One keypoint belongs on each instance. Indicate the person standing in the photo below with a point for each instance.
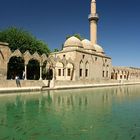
(18, 81)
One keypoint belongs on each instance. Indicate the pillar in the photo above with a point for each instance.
(40, 72)
(25, 69)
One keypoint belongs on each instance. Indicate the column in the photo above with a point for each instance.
(25, 72)
(40, 72)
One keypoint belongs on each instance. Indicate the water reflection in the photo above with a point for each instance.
(104, 113)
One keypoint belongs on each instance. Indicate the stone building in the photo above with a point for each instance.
(79, 62)
(86, 60)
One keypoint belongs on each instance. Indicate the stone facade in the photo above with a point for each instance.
(80, 61)
(125, 73)
(77, 63)
(5, 52)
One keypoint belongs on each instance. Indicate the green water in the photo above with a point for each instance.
(87, 114)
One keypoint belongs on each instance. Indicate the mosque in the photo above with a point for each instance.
(79, 62)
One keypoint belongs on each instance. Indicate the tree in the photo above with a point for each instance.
(56, 50)
(23, 40)
(76, 35)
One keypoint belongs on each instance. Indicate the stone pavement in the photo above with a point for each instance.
(7, 90)
(19, 89)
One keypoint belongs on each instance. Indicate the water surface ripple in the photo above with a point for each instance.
(87, 114)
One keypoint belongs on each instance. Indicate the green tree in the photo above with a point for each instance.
(76, 35)
(23, 40)
(56, 50)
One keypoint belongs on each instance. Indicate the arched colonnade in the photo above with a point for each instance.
(59, 67)
(125, 73)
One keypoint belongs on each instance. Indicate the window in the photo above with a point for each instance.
(86, 73)
(68, 72)
(103, 73)
(105, 60)
(83, 56)
(106, 73)
(80, 74)
(64, 55)
(120, 76)
(59, 72)
(63, 72)
(96, 58)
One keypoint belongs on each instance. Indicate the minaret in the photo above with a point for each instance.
(93, 19)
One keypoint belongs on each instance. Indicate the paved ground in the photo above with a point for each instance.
(32, 89)
(19, 89)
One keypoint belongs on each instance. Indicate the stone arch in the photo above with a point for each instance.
(27, 56)
(44, 58)
(71, 61)
(1, 55)
(113, 74)
(60, 73)
(47, 70)
(69, 71)
(15, 67)
(33, 69)
(16, 53)
(36, 56)
(52, 61)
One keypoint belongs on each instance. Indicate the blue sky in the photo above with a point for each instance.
(52, 20)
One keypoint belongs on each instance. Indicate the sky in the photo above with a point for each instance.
(52, 20)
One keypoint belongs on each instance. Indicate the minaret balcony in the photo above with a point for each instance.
(93, 17)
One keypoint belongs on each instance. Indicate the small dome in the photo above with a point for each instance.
(87, 45)
(73, 42)
(98, 48)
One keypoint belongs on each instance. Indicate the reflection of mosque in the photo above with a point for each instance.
(62, 106)
(42, 112)
(83, 98)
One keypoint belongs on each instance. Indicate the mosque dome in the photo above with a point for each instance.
(73, 42)
(87, 45)
(98, 48)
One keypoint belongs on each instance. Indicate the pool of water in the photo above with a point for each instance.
(87, 114)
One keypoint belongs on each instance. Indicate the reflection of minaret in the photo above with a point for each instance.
(93, 19)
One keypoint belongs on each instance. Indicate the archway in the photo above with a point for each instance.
(15, 67)
(47, 71)
(49, 74)
(33, 70)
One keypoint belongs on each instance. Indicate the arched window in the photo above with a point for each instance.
(87, 69)
(81, 69)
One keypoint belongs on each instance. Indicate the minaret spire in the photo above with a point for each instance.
(93, 19)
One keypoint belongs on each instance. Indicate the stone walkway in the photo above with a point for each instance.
(19, 89)
(33, 89)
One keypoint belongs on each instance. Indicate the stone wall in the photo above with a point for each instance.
(24, 83)
(5, 53)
